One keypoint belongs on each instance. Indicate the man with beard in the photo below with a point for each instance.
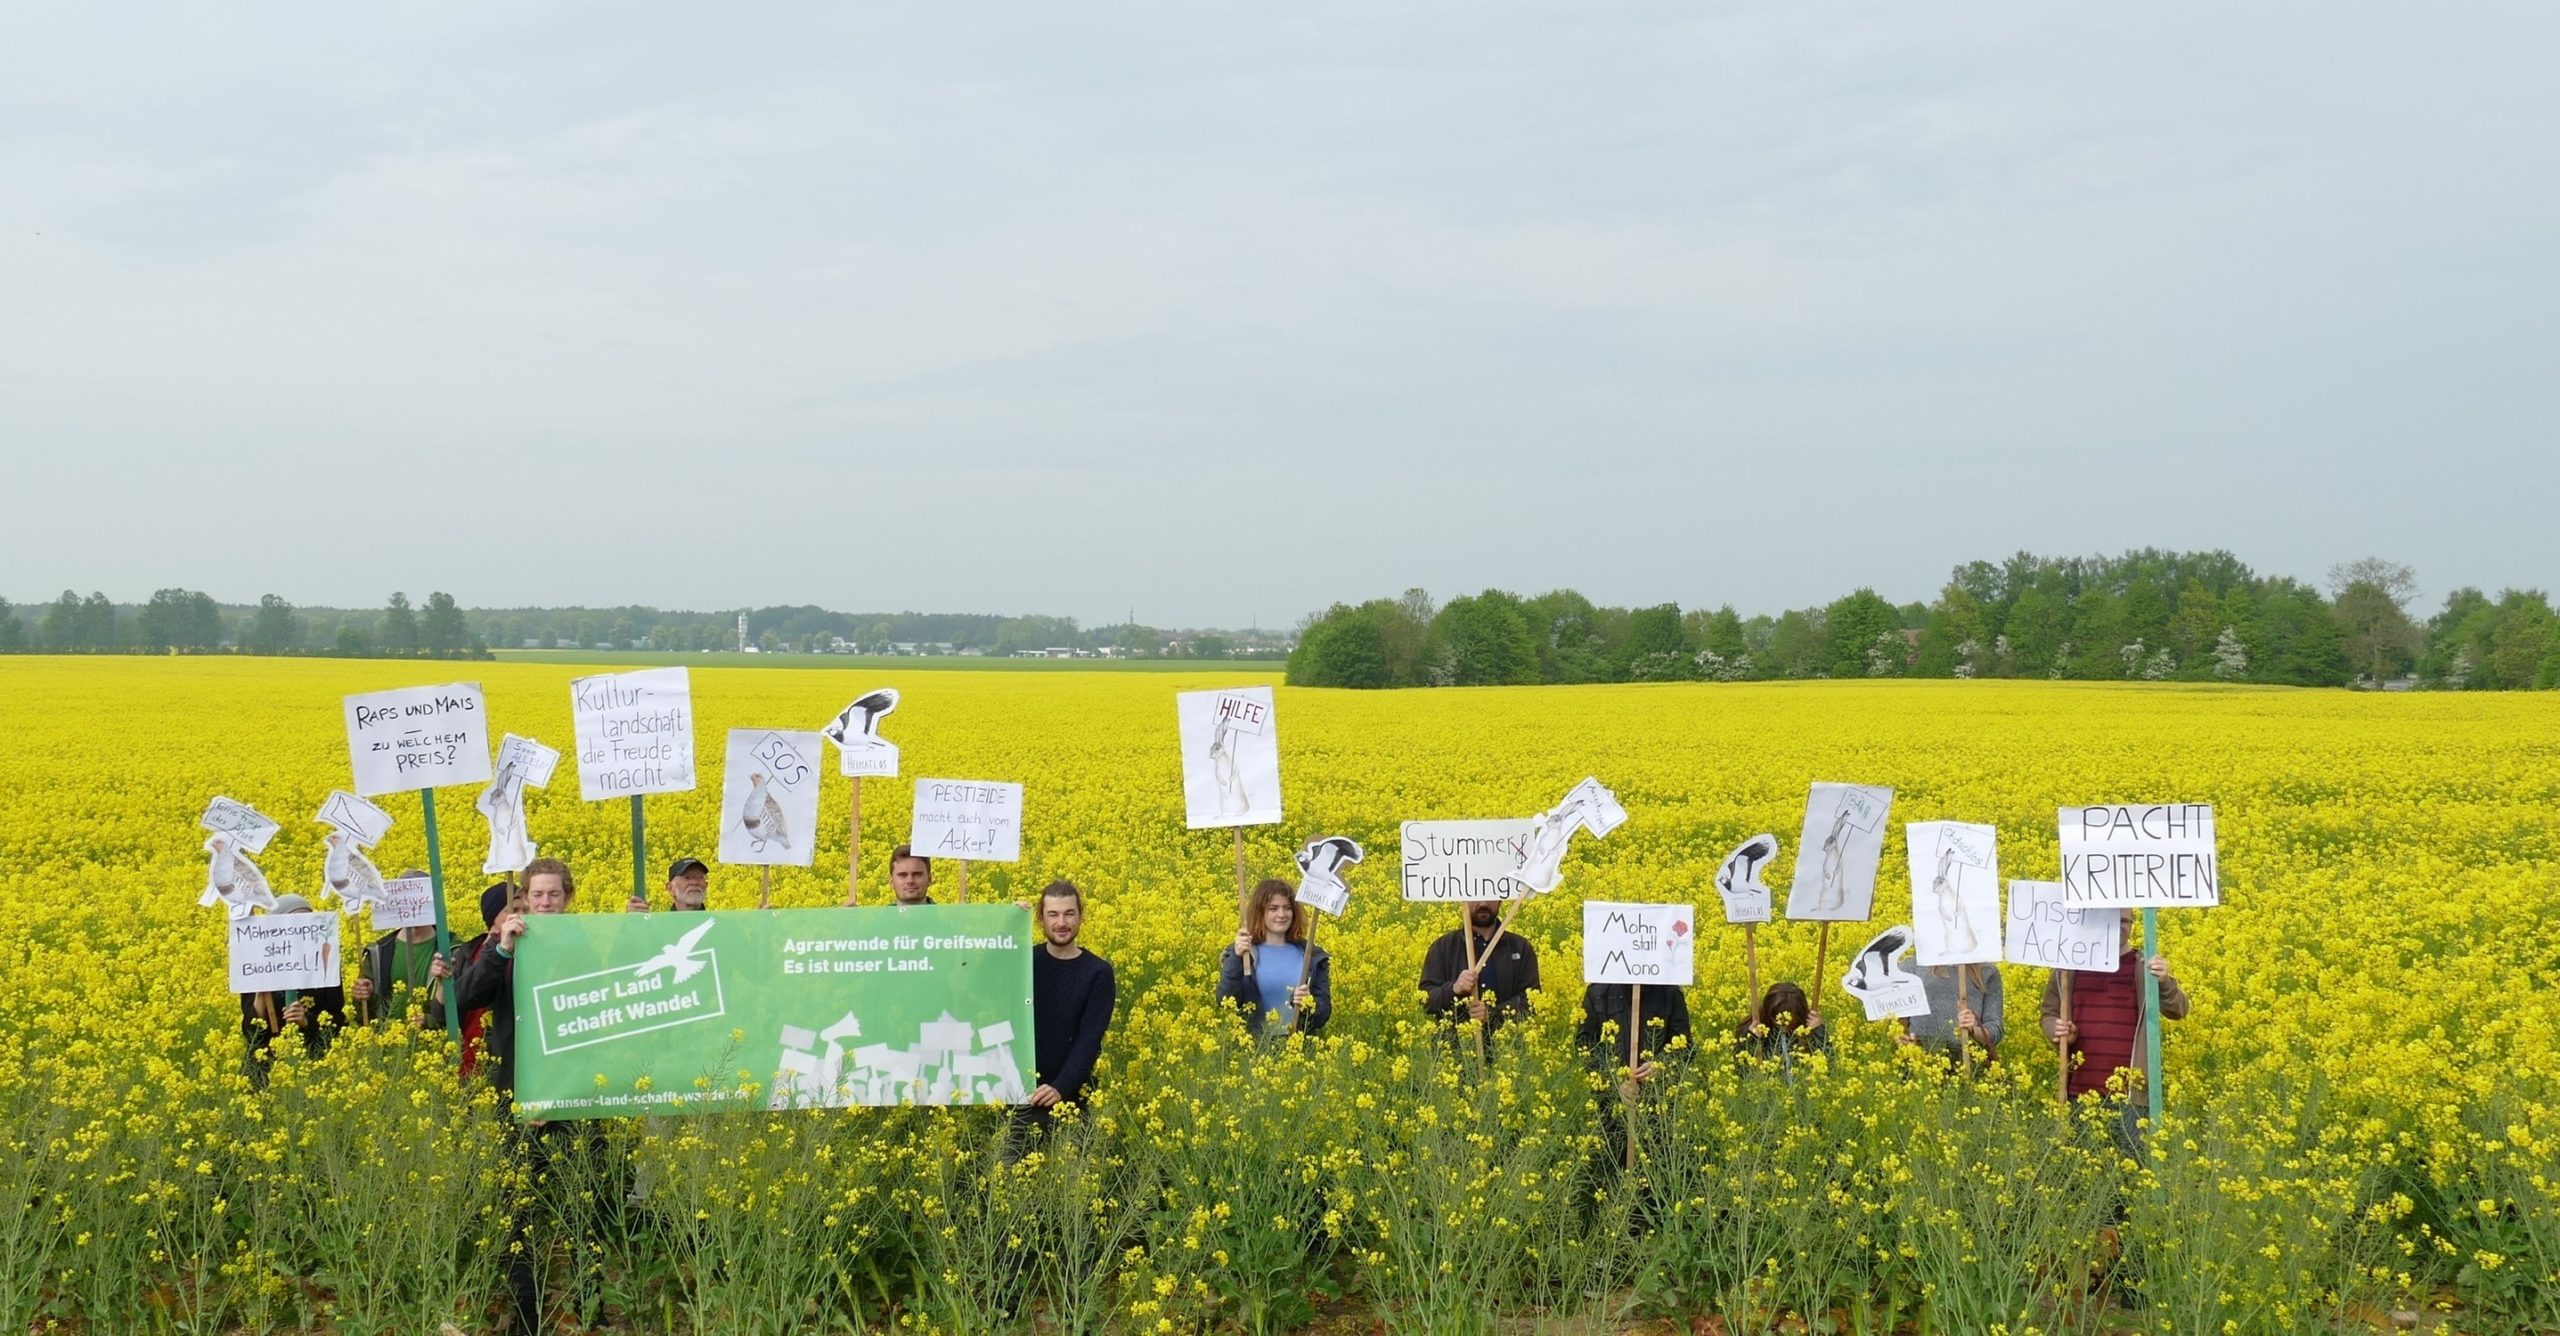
(1072, 997)
(1495, 988)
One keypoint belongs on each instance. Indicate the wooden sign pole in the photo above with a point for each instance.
(1821, 967)
(1635, 1054)
(960, 881)
(853, 849)
(1751, 963)
(764, 890)
(1964, 999)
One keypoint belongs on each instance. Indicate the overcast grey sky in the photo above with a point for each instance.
(1224, 312)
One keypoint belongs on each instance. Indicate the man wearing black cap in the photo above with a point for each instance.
(688, 886)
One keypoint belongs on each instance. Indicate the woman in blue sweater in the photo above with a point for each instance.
(1259, 972)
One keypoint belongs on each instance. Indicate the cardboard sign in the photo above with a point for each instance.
(359, 820)
(1586, 806)
(634, 733)
(2046, 932)
(271, 953)
(1879, 980)
(248, 828)
(1320, 875)
(769, 797)
(1955, 891)
(1230, 757)
(530, 760)
(1746, 900)
(2139, 856)
(1837, 854)
(968, 819)
(1649, 944)
(406, 902)
(1448, 862)
(418, 738)
(861, 753)
(522, 763)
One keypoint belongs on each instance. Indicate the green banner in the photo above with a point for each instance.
(739, 1009)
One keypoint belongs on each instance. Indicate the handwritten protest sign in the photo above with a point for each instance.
(406, 902)
(1628, 943)
(1446, 862)
(1955, 891)
(273, 953)
(1837, 854)
(969, 819)
(2139, 856)
(1230, 757)
(633, 733)
(418, 738)
(248, 828)
(769, 797)
(2046, 932)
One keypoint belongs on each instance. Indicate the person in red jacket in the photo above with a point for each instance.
(2105, 1034)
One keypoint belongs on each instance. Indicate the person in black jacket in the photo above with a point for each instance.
(1491, 993)
(1609, 1011)
(1072, 997)
(318, 1013)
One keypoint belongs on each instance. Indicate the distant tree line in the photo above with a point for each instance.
(2143, 616)
(188, 621)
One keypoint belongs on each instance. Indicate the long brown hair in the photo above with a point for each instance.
(1260, 901)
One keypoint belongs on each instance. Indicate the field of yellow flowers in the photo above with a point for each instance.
(2364, 1109)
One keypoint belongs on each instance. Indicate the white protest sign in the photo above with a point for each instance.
(522, 763)
(1449, 862)
(1837, 854)
(634, 733)
(769, 797)
(1877, 978)
(1230, 757)
(2044, 931)
(861, 753)
(407, 902)
(1625, 943)
(418, 738)
(967, 819)
(248, 828)
(1955, 891)
(2139, 856)
(1586, 806)
(1320, 877)
(1746, 900)
(359, 820)
(530, 760)
(271, 953)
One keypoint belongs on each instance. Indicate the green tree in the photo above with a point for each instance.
(1571, 645)
(98, 621)
(273, 629)
(179, 619)
(1855, 627)
(2039, 630)
(351, 641)
(441, 631)
(398, 633)
(62, 625)
(13, 633)
(1956, 641)
(1656, 648)
(1484, 641)
(1795, 644)
(1342, 648)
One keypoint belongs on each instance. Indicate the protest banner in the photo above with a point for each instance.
(633, 733)
(1452, 862)
(1230, 757)
(1320, 874)
(1639, 944)
(861, 753)
(2046, 932)
(769, 801)
(417, 738)
(231, 880)
(623, 1013)
(248, 828)
(966, 820)
(406, 902)
(522, 764)
(2139, 856)
(1878, 979)
(1955, 892)
(284, 953)
(358, 819)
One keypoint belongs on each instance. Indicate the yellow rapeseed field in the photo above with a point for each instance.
(2364, 1108)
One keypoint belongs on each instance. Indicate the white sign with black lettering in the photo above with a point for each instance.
(769, 797)
(273, 953)
(1649, 944)
(249, 828)
(1450, 862)
(418, 738)
(407, 902)
(2044, 931)
(633, 732)
(968, 819)
(2139, 856)
(1230, 757)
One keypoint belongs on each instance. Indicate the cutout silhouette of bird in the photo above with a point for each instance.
(677, 955)
(761, 817)
(233, 880)
(348, 874)
(859, 724)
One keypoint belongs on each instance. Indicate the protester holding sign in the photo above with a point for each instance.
(488, 980)
(910, 876)
(1259, 972)
(1468, 973)
(1072, 997)
(1964, 1009)
(688, 887)
(318, 1013)
(399, 969)
(1786, 1024)
(1609, 1013)
(2105, 1033)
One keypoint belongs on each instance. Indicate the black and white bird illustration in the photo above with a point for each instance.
(760, 816)
(1320, 866)
(859, 724)
(1874, 966)
(348, 874)
(677, 955)
(1740, 874)
(231, 879)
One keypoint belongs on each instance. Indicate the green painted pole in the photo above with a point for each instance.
(639, 852)
(2151, 1012)
(444, 931)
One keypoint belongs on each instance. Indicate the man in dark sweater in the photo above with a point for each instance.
(1072, 997)
(1490, 992)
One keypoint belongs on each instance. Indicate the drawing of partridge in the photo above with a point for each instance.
(233, 880)
(348, 874)
(761, 817)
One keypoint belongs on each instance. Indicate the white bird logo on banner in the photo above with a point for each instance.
(1587, 806)
(678, 956)
(348, 874)
(233, 880)
(761, 817)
